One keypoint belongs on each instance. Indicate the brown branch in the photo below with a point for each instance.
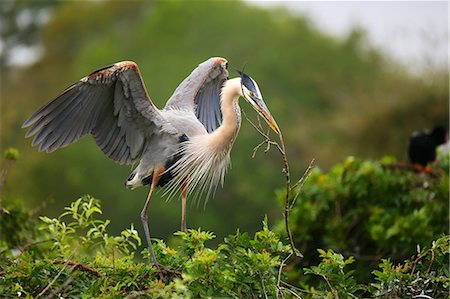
(333, 290)
(282, 149)
(62, 287)
(28, 246)
(301, 182)
(65, 264)
(420, 257)
(79, 266)
(4, 173)
(283, 263)
(431, 261)
(138, 294)
(52, 282)
(287, 207)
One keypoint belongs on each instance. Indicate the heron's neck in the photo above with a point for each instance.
(225, 135)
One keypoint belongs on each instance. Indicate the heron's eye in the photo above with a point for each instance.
(226, 65)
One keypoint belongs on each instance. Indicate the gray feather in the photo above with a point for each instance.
(111, 104)
(200, 93)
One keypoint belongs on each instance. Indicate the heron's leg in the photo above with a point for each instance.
(144, 214)
(183, 204)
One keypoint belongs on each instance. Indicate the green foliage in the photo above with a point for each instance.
(331, 269)
(308, 78)
(11, 154)
(85, 230)
(369, 210)
(425, 274)
(17, 225)
(73, 256)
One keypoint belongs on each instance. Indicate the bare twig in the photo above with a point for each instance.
(333, 290)
(282, 149)
(52, 282)
(263, 285)
(4, 173)
(59, 273)
(420, 257)
(138, 294)
(301, 182)
(28, 246)
(62, 287)
(79, 266)
(283, 263)
(287, 208)
(290, 289)
(431, 261)
(65, 264)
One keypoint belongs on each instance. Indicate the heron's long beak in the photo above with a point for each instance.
(259, 105)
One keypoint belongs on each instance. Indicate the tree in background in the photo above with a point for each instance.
(331, 97)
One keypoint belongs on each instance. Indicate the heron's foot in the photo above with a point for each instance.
(184, 228)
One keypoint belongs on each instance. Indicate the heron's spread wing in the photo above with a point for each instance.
(111, 104)
(200, 92)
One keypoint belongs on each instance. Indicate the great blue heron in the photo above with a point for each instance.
(187, 143)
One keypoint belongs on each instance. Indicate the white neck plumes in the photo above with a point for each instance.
(206, 157)
(223, 138)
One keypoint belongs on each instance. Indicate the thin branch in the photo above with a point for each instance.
(420, 257)
(301, 182)
(62, 287)
(28, 246)
(4, 173)
(282, 149)
(333, 290)
(255, 150)
(287, 173)
(263, 285)
(138, 294)
(431, 261)
(283, 263)
(59, 273)
(67, 263)
(292, 292)
(52, 282)
(79, 266)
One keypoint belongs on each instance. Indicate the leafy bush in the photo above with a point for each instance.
(369, 210)
(74, 256)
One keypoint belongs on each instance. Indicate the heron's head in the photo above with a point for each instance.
(251, 93)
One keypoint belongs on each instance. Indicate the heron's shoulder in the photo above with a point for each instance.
(184, 120)
(109, 73)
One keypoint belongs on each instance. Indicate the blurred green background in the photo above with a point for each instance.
(332, 97)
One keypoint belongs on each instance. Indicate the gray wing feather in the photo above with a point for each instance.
(111, 104)
(200, 92)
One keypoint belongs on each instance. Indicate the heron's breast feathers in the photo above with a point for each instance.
(202, 163)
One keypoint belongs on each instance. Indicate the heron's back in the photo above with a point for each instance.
(184, 121)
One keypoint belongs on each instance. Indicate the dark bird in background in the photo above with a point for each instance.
(422, 147)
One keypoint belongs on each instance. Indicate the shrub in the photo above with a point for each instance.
(362, 208)
(370, 210)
